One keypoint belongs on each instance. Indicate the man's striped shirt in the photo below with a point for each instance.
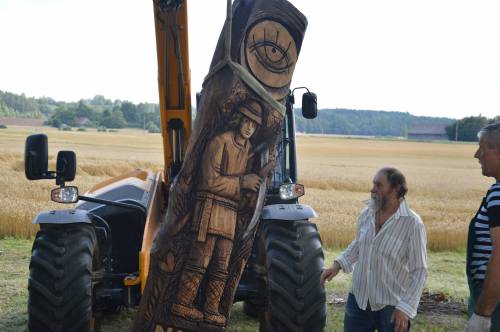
(390, 267)
(488, 216)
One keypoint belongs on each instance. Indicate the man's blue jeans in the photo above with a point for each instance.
(359, 320)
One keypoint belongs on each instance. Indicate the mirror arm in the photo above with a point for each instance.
(50, 175)
(300, 87)
(59, 180)
(119, 204)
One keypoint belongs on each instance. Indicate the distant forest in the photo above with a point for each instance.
(95, 112)
(102, 112)
(342, 121)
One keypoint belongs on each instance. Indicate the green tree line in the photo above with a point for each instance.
(107, 114)
(19, 106)
(466, 129)
(102, 112)
(95, 112)
(342, 121)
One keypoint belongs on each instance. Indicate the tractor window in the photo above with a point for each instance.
(281, 172)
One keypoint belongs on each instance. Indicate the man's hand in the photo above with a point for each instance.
(478, 323)
(251, 182)
(329, 273)
(400, 320)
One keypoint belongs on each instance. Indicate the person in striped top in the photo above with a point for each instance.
(389, 259)
(483, 245)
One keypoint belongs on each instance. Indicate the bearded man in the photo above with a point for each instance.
(390, 252)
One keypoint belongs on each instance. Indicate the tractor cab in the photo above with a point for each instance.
(283, 187)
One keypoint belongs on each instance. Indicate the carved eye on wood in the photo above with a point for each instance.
(270, 54)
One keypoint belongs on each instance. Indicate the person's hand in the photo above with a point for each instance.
(400, 320)
(251, 182)
(478, 323)
(329, 273)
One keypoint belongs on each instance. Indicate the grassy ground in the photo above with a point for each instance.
(446, 276)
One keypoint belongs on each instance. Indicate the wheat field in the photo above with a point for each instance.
(445, 182)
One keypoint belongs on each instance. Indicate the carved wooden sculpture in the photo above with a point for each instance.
(215, 201)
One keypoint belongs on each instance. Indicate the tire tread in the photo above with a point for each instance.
(294, 261)
(60, 281)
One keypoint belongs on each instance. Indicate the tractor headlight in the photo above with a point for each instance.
(291, 191)
(65, 194)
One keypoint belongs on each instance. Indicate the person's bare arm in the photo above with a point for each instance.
(490, 295)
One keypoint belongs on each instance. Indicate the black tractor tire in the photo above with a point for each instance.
(60, 279)
(250, 309)
(294, 260)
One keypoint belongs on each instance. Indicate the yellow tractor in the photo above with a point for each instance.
(91, 259)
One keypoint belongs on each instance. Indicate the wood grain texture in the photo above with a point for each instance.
(200, 251)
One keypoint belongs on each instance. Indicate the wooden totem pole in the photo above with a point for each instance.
(215, 201)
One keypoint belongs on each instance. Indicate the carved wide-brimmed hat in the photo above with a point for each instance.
(252, 110)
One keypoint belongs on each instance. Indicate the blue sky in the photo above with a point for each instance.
(426, 57)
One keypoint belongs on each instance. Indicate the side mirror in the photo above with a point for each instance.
(66, 167)
(309, 105)
(64, 195)
(36, 160)
(36, 157)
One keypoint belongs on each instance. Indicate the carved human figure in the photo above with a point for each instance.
(205, 239)
(221, 183)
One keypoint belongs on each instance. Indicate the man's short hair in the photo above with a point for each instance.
(491, 134)
(396, 179)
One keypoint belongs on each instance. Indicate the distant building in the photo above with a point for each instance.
(21, 122)
(428, 132)
(81, 122)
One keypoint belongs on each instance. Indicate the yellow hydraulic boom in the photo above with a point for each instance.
(171, 26)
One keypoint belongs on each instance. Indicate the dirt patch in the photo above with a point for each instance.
(441, 304)
(434, 304)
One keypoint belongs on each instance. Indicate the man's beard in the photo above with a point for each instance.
(379, 203)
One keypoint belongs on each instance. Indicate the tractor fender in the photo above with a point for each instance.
(288, 212)
(71, 216)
